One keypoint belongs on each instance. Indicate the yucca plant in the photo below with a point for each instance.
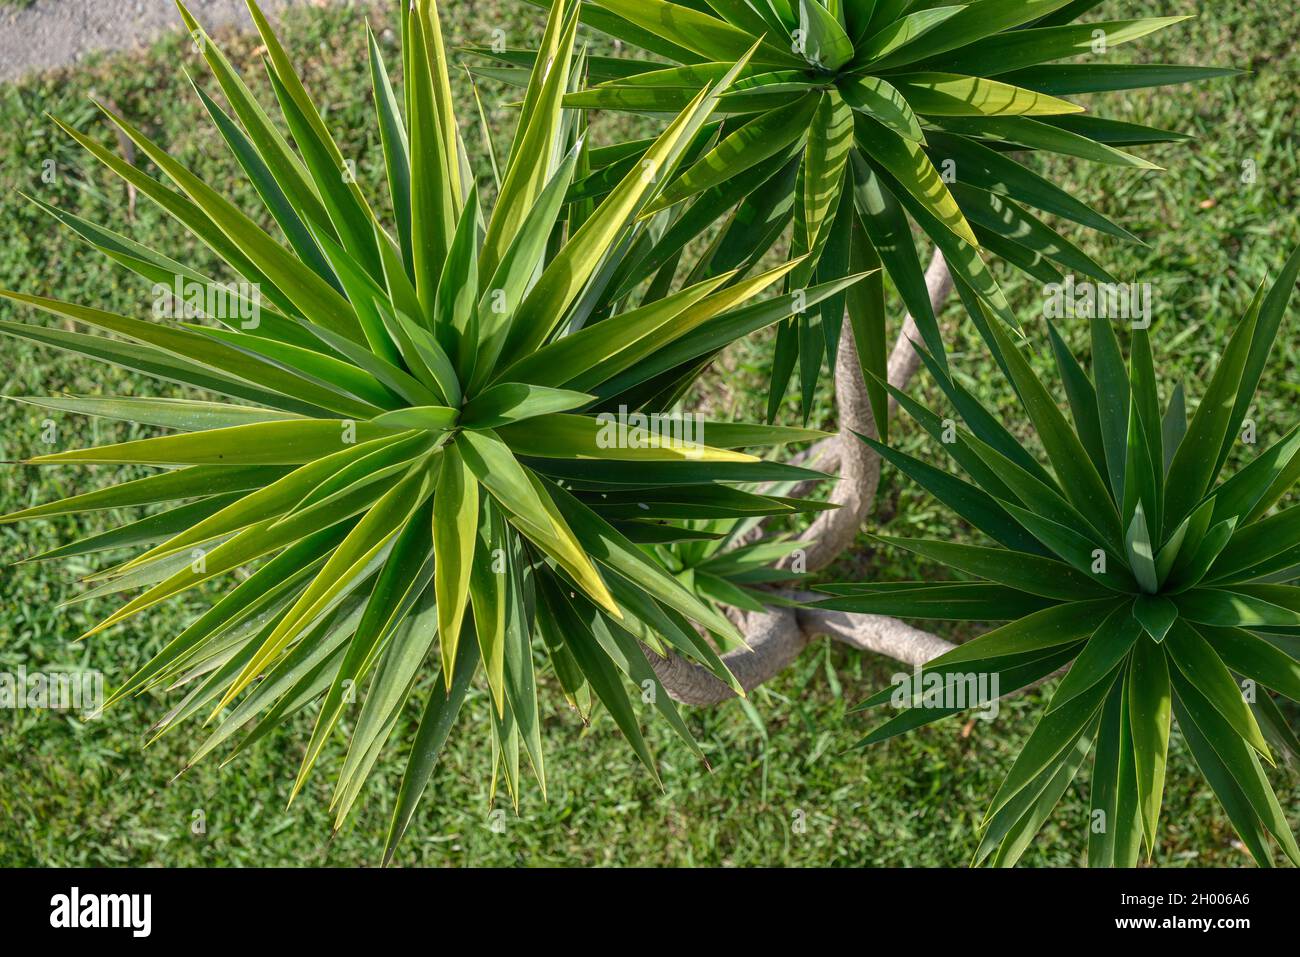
(729, 560)
(913, 110)
(419, 450)
(1166, 592)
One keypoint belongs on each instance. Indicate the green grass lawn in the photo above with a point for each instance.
(78, 793)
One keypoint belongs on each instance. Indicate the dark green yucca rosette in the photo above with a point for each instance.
(1166, 590)
(857, 120)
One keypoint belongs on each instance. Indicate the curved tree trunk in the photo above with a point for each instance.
(777, 636)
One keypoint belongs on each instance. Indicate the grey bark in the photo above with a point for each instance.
(777, 636)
